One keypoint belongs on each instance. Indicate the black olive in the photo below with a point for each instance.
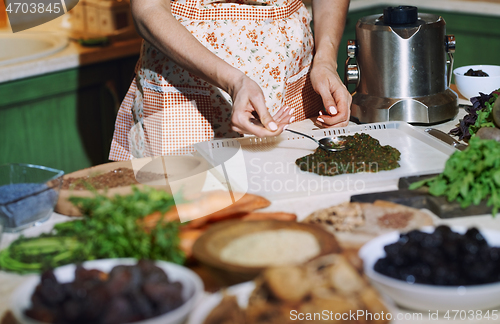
(429, 259)
(432, 241)
(476, 236)
(471, 247)
(479, 73)
(442, 230)
(403, 239)
(494, 254)
(392, 249)
(441, 258)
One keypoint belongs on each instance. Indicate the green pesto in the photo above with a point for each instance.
(363, 154)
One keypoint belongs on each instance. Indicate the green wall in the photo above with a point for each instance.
(63, 120)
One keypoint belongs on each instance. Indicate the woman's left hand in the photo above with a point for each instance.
(336, 98)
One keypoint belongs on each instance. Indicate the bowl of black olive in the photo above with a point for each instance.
(474, 79)
(110, 291)
(436, 268)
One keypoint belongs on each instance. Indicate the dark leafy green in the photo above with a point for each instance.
(109, 229)
(479, 115)
(27, 255)
(469, 176)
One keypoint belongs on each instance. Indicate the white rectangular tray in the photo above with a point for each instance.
(266, 166)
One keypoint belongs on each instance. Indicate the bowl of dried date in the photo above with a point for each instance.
(109, 291)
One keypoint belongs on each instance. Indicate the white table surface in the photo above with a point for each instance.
(301, 207)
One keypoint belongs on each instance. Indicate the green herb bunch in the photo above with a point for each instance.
(470, 176)
(479, 115)
(484, 116)
(35, 254)
(110, 228)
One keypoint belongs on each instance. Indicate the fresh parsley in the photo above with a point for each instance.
(469, 176)
(110, 228)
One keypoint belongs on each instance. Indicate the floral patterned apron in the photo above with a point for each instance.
(167, 109)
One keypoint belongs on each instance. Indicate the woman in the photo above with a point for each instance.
(211, 68)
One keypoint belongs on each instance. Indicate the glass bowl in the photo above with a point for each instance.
(28, 194)
(1, 228)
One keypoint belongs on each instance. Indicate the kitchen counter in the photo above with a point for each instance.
(75, 91)
(72, 56)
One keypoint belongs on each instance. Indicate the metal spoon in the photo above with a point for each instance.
(327, 143)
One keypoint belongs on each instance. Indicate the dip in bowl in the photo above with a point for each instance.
(237, 251)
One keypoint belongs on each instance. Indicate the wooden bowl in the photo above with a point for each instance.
(208, 247)
(173, 173)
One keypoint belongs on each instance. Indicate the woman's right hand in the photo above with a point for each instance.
(248, 99)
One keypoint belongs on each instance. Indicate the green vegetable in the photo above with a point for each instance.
(109, 229)
(97, 41)
(484, 116)
(35, 254)
(469, 176)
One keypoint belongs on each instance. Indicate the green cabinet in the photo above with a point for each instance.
(64, 119)
(477, 36)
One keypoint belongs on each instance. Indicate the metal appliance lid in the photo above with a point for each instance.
(377, 20)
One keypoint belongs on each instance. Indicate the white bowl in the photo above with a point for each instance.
(470, 86)
(428, 297)
(192, 289)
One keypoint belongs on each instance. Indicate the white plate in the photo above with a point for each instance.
(242, 292)
(429, 297)
(266, 166)
(191, 292)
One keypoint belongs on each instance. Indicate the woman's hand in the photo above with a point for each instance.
(336, 98)
(329, 20)
(156, 24)
(248, 100)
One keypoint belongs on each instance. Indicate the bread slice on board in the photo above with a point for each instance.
(354, 224)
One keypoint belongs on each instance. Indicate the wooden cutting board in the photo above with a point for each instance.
(354, 223)
(170, 169)
(420, 198)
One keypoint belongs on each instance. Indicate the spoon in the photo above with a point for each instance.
(327, 143)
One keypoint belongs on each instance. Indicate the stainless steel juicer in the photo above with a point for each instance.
(401, 63)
